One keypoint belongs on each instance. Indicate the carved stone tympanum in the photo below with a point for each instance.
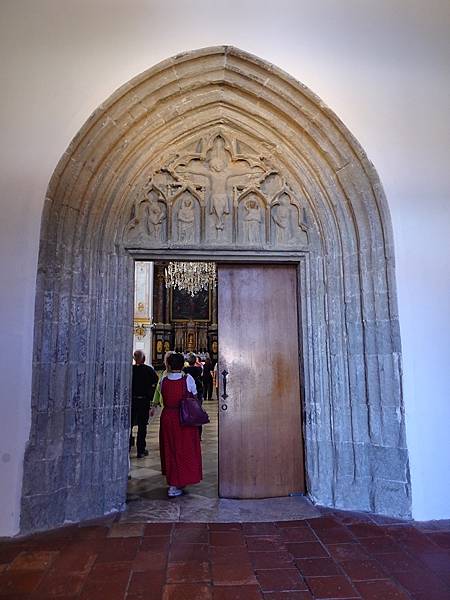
(222, 192)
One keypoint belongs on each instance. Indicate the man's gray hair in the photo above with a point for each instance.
(191, 358)
(139, 356)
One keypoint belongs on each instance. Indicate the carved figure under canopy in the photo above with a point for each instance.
(281, 216)
(137, 229)
(252, 221)
(156, 216)
(186, 220)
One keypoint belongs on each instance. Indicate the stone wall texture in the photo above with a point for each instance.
(76, 461)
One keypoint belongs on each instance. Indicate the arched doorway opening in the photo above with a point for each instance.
(218, 153)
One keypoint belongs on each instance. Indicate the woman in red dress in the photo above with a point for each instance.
(179, 446)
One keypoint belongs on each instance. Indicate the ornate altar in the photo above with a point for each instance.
(183, 323)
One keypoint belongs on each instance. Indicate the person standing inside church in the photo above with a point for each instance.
(179, 445)
(157, 398)
(207, 379)
(142, 389)
(215, 374)
(195, 371)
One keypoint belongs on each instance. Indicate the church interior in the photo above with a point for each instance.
(259, 192)
(168, 319)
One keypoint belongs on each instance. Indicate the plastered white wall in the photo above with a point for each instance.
(381, 66)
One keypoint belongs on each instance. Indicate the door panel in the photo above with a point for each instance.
(260, 441)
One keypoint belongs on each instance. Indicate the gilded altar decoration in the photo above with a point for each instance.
(218, 191)
(140, 330)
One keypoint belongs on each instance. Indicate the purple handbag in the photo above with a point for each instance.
(191, 411)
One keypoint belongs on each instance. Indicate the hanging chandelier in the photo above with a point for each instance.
(190, 276)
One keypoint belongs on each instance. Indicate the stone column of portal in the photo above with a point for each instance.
(149, 342)
(168, 329)
(159, 293)
(159, 315)
(214, 305)
(212, 329)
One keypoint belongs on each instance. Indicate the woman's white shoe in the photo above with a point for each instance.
(173, 492)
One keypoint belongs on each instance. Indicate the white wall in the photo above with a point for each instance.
(379, 65)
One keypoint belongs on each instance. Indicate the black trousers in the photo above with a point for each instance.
(140, 408)
(207, 389)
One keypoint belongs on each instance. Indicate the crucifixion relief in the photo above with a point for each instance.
(221, 174)
(218, 195)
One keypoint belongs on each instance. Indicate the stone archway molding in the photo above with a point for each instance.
(142, 176)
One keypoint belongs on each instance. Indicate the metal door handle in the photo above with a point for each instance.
(224, 383)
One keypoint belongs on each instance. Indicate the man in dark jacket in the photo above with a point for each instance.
(196, 373)
(142, 390)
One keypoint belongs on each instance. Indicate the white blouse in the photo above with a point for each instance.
(190, 382)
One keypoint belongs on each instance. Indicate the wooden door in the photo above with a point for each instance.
(260, 439)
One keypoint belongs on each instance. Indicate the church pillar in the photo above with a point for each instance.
(159, 293)
(214, 305)
(213, 336)
(163, 329)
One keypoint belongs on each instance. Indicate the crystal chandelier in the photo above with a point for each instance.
(190, 276)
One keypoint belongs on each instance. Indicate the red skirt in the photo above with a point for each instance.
(179, 446)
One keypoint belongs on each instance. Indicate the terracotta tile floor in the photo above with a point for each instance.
(336, 555)
(161, 549)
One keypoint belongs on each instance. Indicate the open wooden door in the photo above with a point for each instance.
(260, 432)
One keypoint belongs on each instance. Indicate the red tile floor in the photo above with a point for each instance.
(337, 555)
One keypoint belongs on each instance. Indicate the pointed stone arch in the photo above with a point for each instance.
(76, 459)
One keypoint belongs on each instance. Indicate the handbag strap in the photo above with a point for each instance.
(187, 392)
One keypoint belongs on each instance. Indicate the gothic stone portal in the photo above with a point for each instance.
(214, 153)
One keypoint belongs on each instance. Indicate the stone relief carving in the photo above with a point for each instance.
(136, 230)
(272, 184)
(186, 219)
(218, 191)
(157, 217)
(149, 222)
(287, 225)
(282, 218)
(218, 172)
(251, 220)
